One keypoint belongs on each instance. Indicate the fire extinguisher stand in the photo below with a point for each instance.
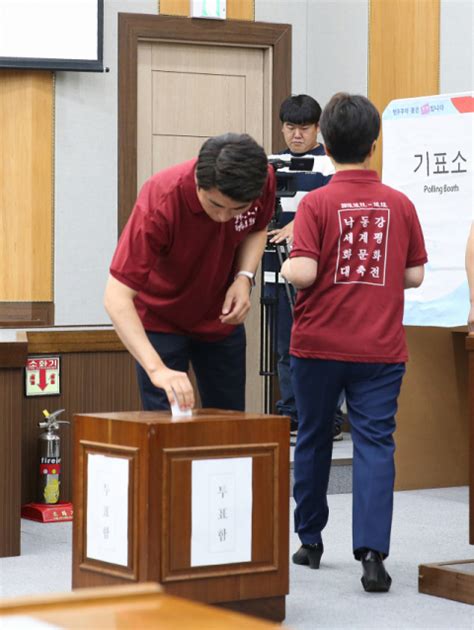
(49, 508)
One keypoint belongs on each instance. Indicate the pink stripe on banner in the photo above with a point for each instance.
(464, 104)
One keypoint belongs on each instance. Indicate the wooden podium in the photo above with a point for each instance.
(455, 579)
(199, 504)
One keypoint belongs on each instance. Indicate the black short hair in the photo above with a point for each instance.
(349, 124)
(300, 109)
(234, 164)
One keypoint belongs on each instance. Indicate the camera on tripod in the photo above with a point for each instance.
(293, 174)
(288, 171)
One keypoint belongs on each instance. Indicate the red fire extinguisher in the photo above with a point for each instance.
(50, 458)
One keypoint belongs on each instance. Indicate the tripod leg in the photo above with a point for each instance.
(283, 253)
(268, 328)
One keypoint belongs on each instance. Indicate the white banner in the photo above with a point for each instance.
(427, 154)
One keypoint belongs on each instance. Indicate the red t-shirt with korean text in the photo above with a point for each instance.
(179, 260)
(363, 235)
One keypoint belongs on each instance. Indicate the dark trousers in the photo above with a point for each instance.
(219, 367)
(372, 391)
(286, 405)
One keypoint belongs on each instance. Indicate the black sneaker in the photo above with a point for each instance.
(337, 435)
(293, 425)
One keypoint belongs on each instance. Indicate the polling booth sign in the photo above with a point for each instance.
(428, 154)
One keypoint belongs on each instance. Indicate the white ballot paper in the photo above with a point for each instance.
(221, 511)
(107, 508)
(176, 410)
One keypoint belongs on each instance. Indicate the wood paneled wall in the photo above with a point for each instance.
(470, 351)
(236, 9)
(11, 393)
(432, 434)
(90, 382)
(403, 52)
(13, 353)
(26, 186)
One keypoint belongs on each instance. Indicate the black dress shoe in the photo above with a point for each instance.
(375, 578)
(309, 555)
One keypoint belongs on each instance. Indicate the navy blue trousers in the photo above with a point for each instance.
(372, 391)
(219, 367)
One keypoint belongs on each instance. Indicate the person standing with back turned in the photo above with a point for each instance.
(357, 245)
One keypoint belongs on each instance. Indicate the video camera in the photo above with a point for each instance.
(287, 184)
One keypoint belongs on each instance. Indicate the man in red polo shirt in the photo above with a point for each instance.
(181, 275)
(357, 245)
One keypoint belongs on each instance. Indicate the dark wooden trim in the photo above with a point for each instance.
(131, 454)
(11, 395)
(22, 314)
(452, 580)
(470, 342)
(13, 353)
(67, 341)
(470, 352)
(134, 27)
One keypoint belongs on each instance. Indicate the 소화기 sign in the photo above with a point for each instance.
(42, 376)
(428, 155)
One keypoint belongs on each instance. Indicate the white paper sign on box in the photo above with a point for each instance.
(221, 511)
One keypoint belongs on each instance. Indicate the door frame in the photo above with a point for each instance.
(133, 28)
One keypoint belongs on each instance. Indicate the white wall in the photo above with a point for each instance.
(330, 43)
(456, 46)
(86, 179)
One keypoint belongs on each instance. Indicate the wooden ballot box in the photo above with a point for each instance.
(199, 504)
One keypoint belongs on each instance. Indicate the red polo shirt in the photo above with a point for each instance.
(363, 235)
(179, 260)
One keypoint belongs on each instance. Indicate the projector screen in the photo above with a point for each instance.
(52, 34)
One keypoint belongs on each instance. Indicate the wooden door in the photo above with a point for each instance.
(182, 81)
(187, 93)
